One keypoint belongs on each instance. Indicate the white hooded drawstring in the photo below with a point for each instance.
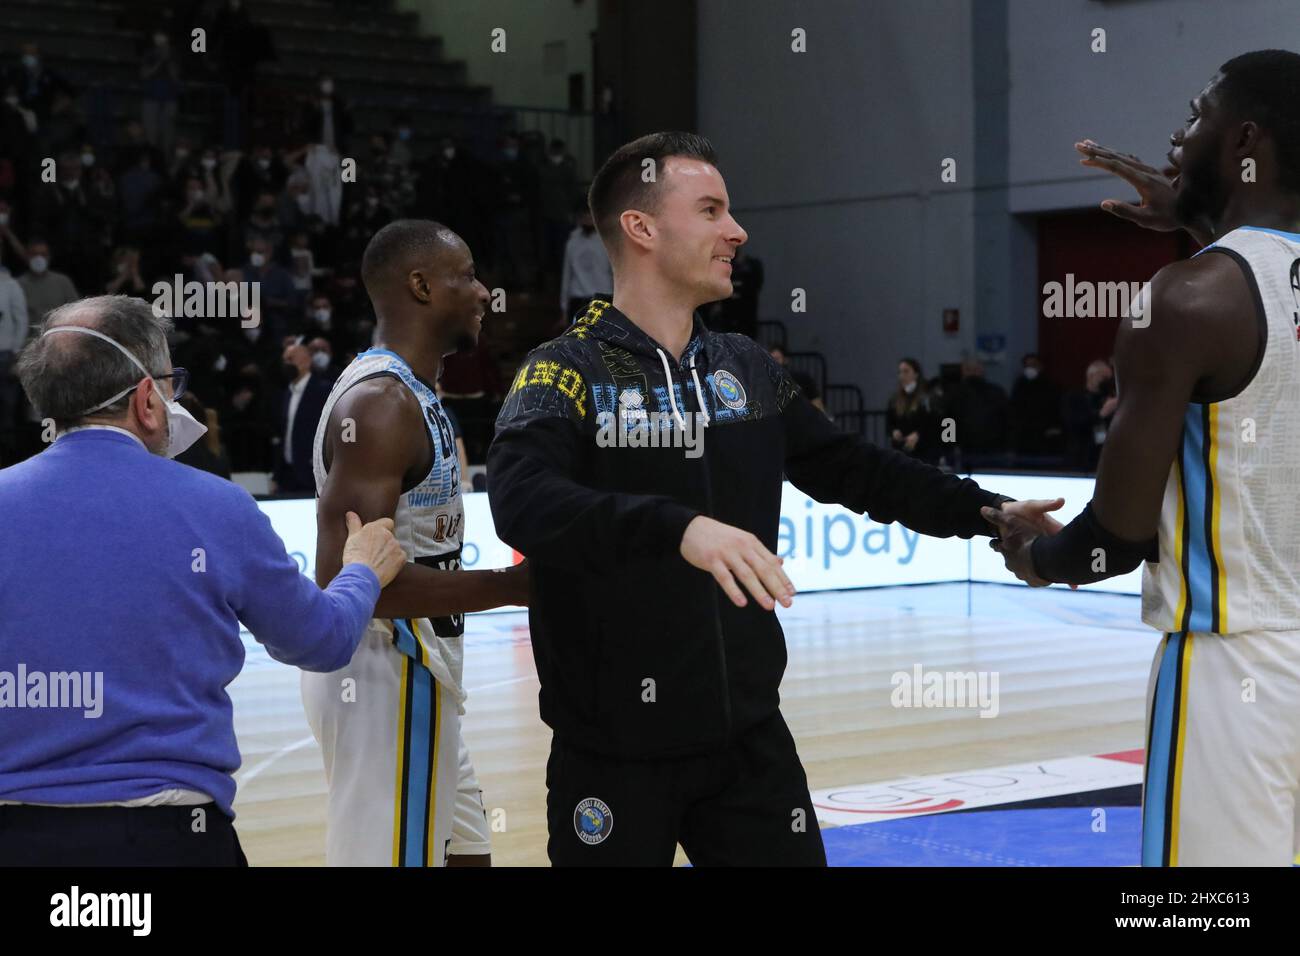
(699, 393)
(672, 402)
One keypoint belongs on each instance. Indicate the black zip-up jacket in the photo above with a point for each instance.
(639, 653)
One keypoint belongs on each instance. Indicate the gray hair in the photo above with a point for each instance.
(64, 375)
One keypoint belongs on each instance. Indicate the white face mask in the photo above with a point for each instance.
(4, 218)
(182, 428)
(88, 159)
(38, 264)
(909, 388)
(1031, 373)
(449, 152)
(323, 317)
(320, 361)
(208, 162)
(257, 260)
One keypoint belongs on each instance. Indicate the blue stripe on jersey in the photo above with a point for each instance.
(1293, 236)
(406, 643)
(1200, 580)
(1156, 785)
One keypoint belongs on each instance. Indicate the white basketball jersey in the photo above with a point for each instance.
(1230, 522)
(429, 520)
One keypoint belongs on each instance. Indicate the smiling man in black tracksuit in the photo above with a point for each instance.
(638, 463)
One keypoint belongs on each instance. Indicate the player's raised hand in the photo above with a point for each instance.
(374, 546)
(732, 555)
(1156, 192)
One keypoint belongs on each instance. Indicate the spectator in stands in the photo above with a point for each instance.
(300, 408)
(557, 188)
(909, 418)
(200, 220)
(802, 379)
(322, 358)
(466, 485)
(160, 80)
(133, 144)
(980, 410)
(1035, 410)
(181, 164)
(36, 86)
(585, 273)
(739, 313)
(451, 190)
(64, 128)
(19, 120)
(302, 264)
(264, 222)
(253, 350)
(141, 190)
(44, 288)
(326, 119)
(472, 387)
(258, 173)
(13, 336)
(216, 182)
(73, 221)
(247, 420)
(390, 180)
(320, 323)
(280, 300)
(1086, 417)
(362, 218)
(10, 246)
(126, 278)
(17, 144)
(514, 211)
(206, 453)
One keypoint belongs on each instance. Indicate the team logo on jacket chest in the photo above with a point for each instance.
(592, 820)
(728, 389)
(631, 405)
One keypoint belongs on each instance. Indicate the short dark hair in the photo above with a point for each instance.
(1264, 86)
(64, 375)
(618, 186)
(396, 248)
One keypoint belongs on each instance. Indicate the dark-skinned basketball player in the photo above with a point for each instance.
(1200, 475)
(402, 791)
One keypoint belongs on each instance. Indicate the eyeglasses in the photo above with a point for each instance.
(180, 378)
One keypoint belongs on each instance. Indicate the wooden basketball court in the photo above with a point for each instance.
(1072, 672)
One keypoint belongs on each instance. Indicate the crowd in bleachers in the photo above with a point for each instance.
(970, 422)
(88, 208)
(117, 212)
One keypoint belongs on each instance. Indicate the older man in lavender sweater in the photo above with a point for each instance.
(123, 580)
